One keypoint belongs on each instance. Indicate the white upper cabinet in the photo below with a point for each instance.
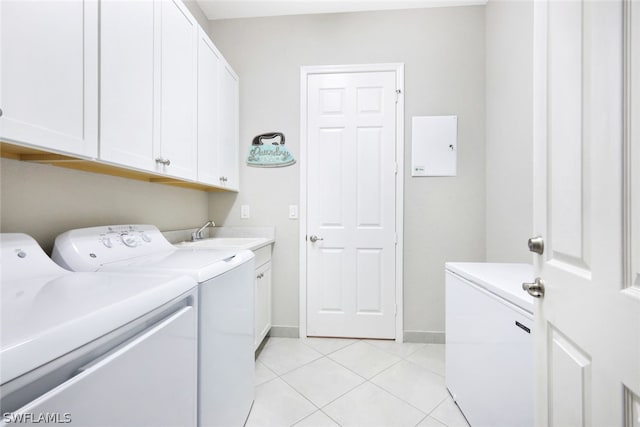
(127, 82)
(148, 86)
(209, 61)
(49, 83)
(229, 128)
(177, 154)
(159, 99)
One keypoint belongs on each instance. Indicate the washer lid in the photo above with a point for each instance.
(200, 264)
(502, 279)
(47, 311)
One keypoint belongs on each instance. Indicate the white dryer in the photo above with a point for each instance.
(94, 349)
(226, 361)
(489, 343)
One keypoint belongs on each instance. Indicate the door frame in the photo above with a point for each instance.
(305, 71)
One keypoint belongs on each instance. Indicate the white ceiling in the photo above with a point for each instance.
(227, 9)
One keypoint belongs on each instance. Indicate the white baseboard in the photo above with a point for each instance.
(424, 337)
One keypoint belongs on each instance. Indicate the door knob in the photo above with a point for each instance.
(535, 289)
(315, 238)
(536, 244)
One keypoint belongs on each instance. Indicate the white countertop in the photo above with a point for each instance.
(251, 243)
(252, 238)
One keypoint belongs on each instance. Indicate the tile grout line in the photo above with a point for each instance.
(426, 369)
(331, 352)
(323, 355)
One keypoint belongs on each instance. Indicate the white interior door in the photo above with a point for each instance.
(588, 321)
(351, 220)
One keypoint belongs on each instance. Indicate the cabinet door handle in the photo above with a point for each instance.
(260, 276)
(162, 161)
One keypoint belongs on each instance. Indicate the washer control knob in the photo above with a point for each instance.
(128, 240)
(107, 242)
(145, 237)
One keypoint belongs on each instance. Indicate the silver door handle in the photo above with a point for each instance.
(315, 238)
(536, 244)
(162, 161)
(535, 289)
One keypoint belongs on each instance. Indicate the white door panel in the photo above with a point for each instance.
(588, 321)
(229, 127)
(351, 205)
(209, 64)
(179, 74)
(50, 74)
(127, 82)
(632, 220)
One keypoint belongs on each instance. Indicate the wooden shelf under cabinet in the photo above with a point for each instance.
(34, 155)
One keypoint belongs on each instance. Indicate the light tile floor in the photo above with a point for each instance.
(318, 382)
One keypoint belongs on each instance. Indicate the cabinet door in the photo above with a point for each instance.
(229, 138)
(127, 83)
(178, 103)
(50, 75)
(263, 302)
(208, 100)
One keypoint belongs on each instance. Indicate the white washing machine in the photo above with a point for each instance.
(489, 343)
(226, 361)
(94, 349)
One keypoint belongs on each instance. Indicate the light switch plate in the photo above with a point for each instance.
(293, 211)
(245, 213)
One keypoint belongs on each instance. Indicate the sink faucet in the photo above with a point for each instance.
(197, 235)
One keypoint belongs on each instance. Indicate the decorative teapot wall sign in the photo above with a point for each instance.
(268, 151)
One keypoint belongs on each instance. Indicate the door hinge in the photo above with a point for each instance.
(395, 238)
(395, 168)
(398, 92)
(396, 310)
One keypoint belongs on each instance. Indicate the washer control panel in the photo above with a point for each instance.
(129, 236)
(86, 249)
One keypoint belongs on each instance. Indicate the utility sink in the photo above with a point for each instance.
(228, 242)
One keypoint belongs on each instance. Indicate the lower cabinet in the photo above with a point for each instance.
(262, 295)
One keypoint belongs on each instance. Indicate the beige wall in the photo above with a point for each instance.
(443, 53)
(43, 201)
(509, 122)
